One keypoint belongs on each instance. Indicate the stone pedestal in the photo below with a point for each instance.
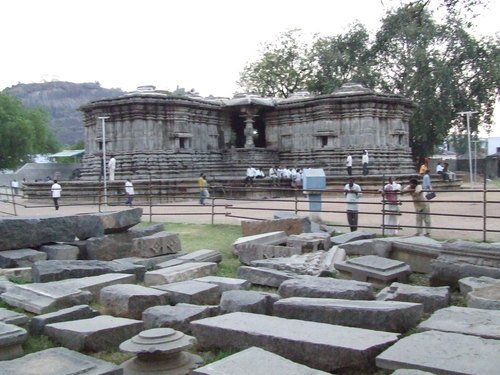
(160, 351)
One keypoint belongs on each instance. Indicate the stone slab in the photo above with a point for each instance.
(11, 339)
(433, 298)
(416, 251)
(176, 317)
(487, 297)
(202, 255)
(254, 361)
(468, 284)
(150, 263)
(466, 320)
(54, 270)
(411, 372)
(271, 238)
(156, 244)
(377, 315)
(60, 361)
(12, 317)
(326, 287)
(374, 269)
(182, 272)
(290, 225)
(60, 251)
(264, 276)
(226, 283)
(250, 301)
(381, 247)
(309, 242)
(443, 353)
(20, 258)
(247, 253)
(352, 236)
(119, 221)
(318, 345)
(41, 298)
(192, 292)
(129, 300)
(38, 323)
(95, 334)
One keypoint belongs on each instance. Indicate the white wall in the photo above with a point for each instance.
(493, 145)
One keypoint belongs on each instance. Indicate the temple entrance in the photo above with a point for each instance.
(238, 131)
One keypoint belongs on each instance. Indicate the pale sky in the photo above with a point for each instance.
(201, 44)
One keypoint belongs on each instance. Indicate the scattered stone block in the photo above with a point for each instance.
(318, 263)
(60, 252)
(309, 242)
(487, 297)
(11, 339)
(468, 284)
(271, 238)
(41, 298)
(176, 317)
(433, 298)
(255, 361)
(466, 320)
(322, 346)
(22, 273)
(129, 300)
(120, 221)
(376, 270)
(12, 317)
(203, 255)
(55, 270)
(5, 284)
(460, 259)
(326, 287)
(150, 263)
(226, 283)
(156, 244)
(417, 251)
(95, 334)
(247, 253)
(20, 258)
(60, 361)
(411, 372)
(377, 315)
(178, 273)
(118, 245)
(352, 236)
(38, 323)
(248, 301)
(377, 246)
(443, 353)
(192, 292)
(289, 225)
(264, 276)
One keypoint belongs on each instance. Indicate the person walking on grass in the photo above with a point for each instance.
(203, 186)
(422, 207)
(352, 193)
(55, 191)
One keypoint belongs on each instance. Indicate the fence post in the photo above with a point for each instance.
(213, 210)
(484, 202)
(150, 201)
(14, 204)
(296, 202)
(99, 197)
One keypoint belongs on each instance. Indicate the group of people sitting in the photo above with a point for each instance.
(276, 175)
(442, 169)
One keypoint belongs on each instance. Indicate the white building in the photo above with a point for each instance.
(493, 145)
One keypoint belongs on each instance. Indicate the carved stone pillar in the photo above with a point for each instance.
(249, 114)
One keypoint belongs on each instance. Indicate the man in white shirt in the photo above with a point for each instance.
(273, 175)
(348, 164)
(390, 193)
(111, 168)
(365, 160)
(129, 191)
(251, 172)
(352, 193)
(15, 187)
(55, 190)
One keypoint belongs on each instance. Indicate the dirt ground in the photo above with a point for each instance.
(452, 212)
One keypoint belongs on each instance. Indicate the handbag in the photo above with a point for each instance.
(430, 195)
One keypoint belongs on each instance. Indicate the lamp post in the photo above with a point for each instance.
(468, 114)
(103, 122)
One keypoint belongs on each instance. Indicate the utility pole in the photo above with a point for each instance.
(468, 114)
(104, 165)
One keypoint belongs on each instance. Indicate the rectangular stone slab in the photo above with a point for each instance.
(318, 345)
(466, 320)
(443, 353)
(60, 361)
(182, 272)
(377, 315)
(254, 361)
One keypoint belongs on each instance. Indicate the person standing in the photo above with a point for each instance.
(426, 182)
(129, 191)
(55, 190)
(365, 160)
(352, 193)
(421, 205)
(111, 168)
(14, 187)
(391, 206)
(202, 185)
(348, 164)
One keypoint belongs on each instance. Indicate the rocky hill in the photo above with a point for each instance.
(61, 100)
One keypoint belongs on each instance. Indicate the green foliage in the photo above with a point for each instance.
(36, 343)
(115, 356)
(23, 132)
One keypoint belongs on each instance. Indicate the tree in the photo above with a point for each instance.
(342, 58)
(23, 132)
(283, 68)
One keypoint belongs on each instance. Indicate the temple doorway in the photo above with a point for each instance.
(238, 131)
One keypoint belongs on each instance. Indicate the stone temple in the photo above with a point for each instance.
(153, 134)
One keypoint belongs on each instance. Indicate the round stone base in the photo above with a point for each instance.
(180, 365)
